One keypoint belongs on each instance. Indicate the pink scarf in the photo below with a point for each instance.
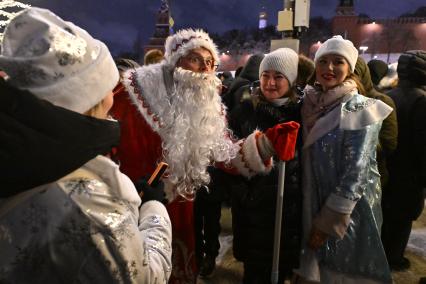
(317, 102)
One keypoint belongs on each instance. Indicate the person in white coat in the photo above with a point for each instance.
(89, 226)
(341, 183)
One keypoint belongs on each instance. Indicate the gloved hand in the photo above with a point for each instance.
(148, 192)
(283, 137)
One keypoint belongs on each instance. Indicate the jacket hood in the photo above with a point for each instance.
(412, 67)
(248, 74)
(251, 69)
(363, 73)
(42, 142)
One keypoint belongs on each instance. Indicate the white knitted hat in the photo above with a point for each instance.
(56, 60)
(183, 41)
(338, 45)
(283, 60)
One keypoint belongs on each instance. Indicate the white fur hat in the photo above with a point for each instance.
(56, 60)
(183, 41)
(283, 60)
(340, 46)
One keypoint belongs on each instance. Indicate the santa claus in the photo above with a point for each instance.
(172, 112)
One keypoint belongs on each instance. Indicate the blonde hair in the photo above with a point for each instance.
(153, 56)
(96, 110)
(359, 85)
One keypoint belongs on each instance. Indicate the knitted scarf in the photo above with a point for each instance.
(317, 102)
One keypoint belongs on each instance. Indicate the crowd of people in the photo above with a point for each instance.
(81, 133)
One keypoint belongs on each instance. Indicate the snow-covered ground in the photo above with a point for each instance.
(225, 245)
(417, 242)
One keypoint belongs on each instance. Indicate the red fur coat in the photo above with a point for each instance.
(139, 153)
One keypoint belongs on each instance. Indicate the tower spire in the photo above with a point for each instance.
(345, 8)
(263, 16)
(162, 28)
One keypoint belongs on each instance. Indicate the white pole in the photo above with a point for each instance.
(278, 222)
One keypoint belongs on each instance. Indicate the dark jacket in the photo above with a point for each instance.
(228, 78)
(41, 143)
(407, 166)
(254, 200)
(388, 135)
(249, 74)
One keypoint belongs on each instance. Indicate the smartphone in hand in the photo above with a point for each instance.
(157, 174)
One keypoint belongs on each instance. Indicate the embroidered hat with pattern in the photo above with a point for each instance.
(183, 41)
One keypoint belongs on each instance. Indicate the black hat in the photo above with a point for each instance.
(378, 70)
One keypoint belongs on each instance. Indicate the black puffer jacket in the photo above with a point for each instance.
(254, 200)
(407, 166)
(41, 143)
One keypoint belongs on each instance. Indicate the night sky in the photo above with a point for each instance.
(119, 22)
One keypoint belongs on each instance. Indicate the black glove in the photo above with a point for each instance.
(149, 192)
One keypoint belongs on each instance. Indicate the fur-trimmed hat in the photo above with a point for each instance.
(56, 60)
(283, 60)
(183, 41)
(340, 46)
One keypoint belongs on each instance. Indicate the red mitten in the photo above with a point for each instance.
(283, 137)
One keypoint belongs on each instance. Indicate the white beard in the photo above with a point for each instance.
(195, 132)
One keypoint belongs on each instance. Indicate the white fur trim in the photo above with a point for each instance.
(366, 112)
(340, 204)
(183, 41)
(248, 161)
(167, 99)
(372, 111)
(147, 92)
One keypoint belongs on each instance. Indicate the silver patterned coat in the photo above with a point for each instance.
(85, 228)
(340, 172)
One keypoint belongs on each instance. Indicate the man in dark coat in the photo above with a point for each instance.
(248, 75)
(403, 197)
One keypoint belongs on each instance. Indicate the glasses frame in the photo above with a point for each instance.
(200, 61)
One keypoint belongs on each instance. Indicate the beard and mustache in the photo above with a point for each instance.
(195, 132)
